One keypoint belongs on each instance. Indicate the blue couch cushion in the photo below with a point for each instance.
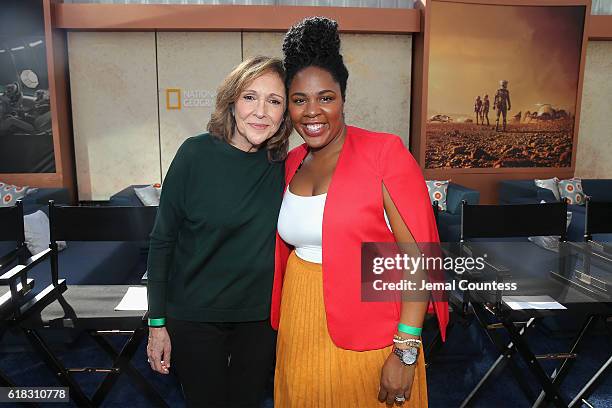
(445, 223)
(546, 195)
(575, 231)
(510, 190)
(39, 200)
(92, 263)
(456, 194)
(450, 233)
(6, 247)
(576, 209)
(127, 197)
(598, 190)
(449, 219)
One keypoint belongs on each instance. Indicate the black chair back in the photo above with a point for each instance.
(11, 220)
(522, 220)
(70, 223)
(598, 218)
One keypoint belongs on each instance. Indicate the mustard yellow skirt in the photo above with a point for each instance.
(311, 371)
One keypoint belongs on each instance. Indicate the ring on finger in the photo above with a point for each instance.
(400, 398)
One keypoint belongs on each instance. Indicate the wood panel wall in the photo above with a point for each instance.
(61, 17)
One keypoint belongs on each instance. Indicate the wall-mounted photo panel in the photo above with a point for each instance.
(503, 84)
(26, 137)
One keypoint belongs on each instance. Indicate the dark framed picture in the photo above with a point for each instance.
(503, 84)
(26, 136)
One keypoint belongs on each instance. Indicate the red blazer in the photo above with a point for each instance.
(353, 214)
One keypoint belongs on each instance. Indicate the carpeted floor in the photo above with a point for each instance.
(453, 372)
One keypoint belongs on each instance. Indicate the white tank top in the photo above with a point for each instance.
(300, 223)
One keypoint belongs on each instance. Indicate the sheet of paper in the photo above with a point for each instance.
(134, 299)
(532, 302)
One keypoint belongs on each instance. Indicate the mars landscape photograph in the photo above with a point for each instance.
(503, 85)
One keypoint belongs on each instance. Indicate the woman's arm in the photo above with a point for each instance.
(413, 310)
(170, 216)
(402, 177)
(396, 377)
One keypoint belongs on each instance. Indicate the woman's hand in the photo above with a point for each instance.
(158, 350)
(395, 380)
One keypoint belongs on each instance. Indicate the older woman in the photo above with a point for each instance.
(211, 258)
(335, 350)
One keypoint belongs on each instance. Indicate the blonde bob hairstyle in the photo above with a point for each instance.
(222, 122)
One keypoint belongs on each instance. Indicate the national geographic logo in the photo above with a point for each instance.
(177, 99)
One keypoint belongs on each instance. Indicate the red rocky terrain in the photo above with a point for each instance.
(467, 145)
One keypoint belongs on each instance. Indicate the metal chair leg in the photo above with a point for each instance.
(121, 361)
(552, 392)
(560, 372)
(60, 371)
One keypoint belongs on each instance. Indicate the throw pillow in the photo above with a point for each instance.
(437, 192)
(549, 242)
(36, 228)
(9, 194)
(149, 195)
(571, 189)
(551, 184)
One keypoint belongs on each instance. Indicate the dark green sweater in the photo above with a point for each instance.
(211, 256)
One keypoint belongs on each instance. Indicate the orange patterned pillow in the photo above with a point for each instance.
(9, 194)
(571, 189)
(437, 192)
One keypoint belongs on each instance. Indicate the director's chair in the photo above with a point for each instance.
(16, 292)
(510, 221)
(12, 231)
(598, 220)
(90, 309)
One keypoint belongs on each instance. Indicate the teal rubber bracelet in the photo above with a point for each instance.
(414, 331)
(159, 322)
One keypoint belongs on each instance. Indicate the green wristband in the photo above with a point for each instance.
(159, 322)
(414, 331)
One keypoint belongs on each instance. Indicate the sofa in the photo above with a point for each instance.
(126, 197)
(449, 221)
(39, 199)
(526, 192)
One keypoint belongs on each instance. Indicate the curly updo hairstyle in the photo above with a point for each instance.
(315, 41)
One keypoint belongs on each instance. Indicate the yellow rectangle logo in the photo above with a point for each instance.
(173, 98)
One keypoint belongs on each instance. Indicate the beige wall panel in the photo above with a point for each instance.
(114, 110)
(195, 63)
(269, 44)
(378, 90)
(594, 156)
